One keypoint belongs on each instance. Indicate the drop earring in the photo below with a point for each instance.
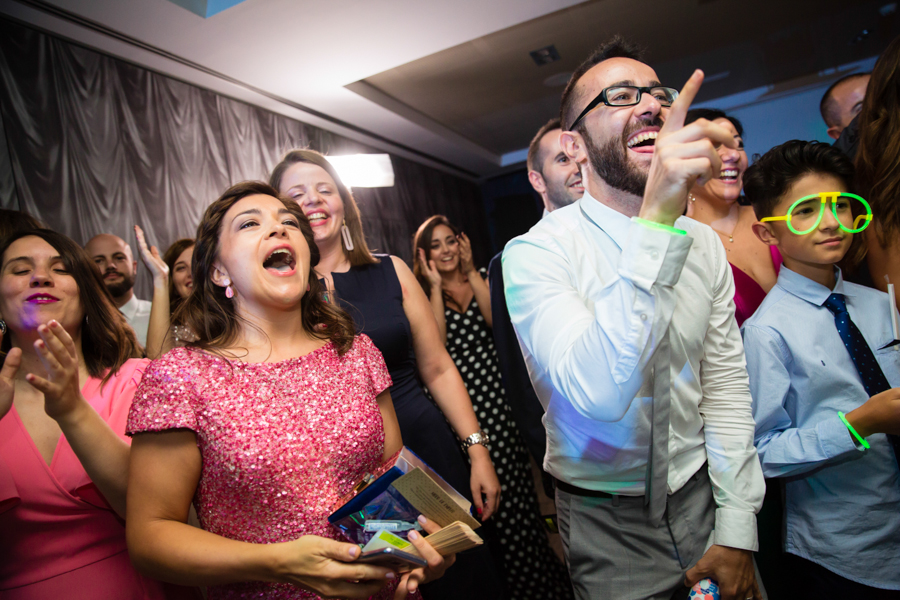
(2, 327)
(229, 291)
(345, 234)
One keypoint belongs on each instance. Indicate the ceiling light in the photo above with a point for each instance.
(364, 170)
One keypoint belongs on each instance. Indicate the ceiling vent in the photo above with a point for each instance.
(544, 56)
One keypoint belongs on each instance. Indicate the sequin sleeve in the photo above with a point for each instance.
(376, 370)
(166, 397)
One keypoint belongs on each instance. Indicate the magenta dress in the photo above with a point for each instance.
(748, 294)
(59, 538)
(280, 442)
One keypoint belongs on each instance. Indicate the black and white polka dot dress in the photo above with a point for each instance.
(533, 570)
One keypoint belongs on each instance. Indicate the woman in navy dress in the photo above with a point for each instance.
(388, 305)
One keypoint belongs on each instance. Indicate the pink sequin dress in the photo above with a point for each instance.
(280, 442)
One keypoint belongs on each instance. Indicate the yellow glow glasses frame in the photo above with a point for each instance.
(825, 196)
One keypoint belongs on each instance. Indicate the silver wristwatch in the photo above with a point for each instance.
(478, 437)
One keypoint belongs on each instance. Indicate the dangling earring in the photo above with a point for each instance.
(345, 233)
(691, 198)
(2, 327)
(229, 291)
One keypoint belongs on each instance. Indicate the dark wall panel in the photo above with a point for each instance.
(95, 144)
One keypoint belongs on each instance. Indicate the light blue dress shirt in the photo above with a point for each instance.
(590, 292)
(842, 505)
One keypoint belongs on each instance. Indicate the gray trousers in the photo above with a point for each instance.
(614, 554)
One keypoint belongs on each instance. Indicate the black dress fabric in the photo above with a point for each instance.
(533, 571)
(373, 297)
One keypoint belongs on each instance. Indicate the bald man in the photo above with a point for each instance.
(117, 266)
(842, 102)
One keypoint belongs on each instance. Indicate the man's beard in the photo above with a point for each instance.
(560, 195)
(117, 290)
(610, 161)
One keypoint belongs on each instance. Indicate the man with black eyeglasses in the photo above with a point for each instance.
(624, 312)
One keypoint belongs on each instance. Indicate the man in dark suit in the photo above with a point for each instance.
(558, 181)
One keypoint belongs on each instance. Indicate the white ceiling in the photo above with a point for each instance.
(300, 51)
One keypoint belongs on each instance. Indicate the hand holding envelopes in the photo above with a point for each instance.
(392, 499)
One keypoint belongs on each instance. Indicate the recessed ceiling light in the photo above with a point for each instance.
(558, 80)
(545, 56)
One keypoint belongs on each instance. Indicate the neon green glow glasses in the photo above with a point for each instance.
(805, 214)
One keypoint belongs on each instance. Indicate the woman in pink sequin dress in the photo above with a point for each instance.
(264, 422)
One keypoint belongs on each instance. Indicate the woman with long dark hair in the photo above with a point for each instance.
(387, 304)
(717, 203)
(66, 385)
(172, 284)
(460, 299)
(266, 421)
(878, 173)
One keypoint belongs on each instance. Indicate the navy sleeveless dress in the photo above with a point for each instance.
(373, 297)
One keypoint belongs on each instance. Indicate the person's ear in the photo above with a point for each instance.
(834, 132)
(765, 234)
(572, 144)
(537, 182)
(220, 276)
(134, 267)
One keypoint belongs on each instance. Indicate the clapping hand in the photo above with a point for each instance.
(8, 378)
(466, 264)
(430, 271)
(62, 387)
(683, 156)
(151, 258)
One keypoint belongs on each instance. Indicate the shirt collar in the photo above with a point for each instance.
(611, 221)
(807, 289)
(130, 308)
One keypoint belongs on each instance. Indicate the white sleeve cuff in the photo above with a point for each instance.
(736, 529)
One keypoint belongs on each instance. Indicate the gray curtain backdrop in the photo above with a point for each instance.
(92, 144)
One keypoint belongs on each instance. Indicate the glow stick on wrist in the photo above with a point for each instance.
(861, 439)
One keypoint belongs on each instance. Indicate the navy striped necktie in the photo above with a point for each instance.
(863, 358)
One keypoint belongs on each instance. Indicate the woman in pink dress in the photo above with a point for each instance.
(716, 203)
(65, 390)
(272, 415)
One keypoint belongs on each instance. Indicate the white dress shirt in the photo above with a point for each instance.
(137, 313)
(590, 291)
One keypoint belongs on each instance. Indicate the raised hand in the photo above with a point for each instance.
(151, 258)
(8, 378)
(61, 388)
(437, 564)
(465, 254)
(430, 271)
(683, 155)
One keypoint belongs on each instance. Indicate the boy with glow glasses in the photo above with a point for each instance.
(824, 371)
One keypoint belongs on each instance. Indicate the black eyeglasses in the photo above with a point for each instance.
(627, 95)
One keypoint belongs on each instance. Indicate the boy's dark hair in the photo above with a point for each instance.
(711, 114)
(616, 47)
(771, 174)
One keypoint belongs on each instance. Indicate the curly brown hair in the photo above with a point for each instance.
(212, 316)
